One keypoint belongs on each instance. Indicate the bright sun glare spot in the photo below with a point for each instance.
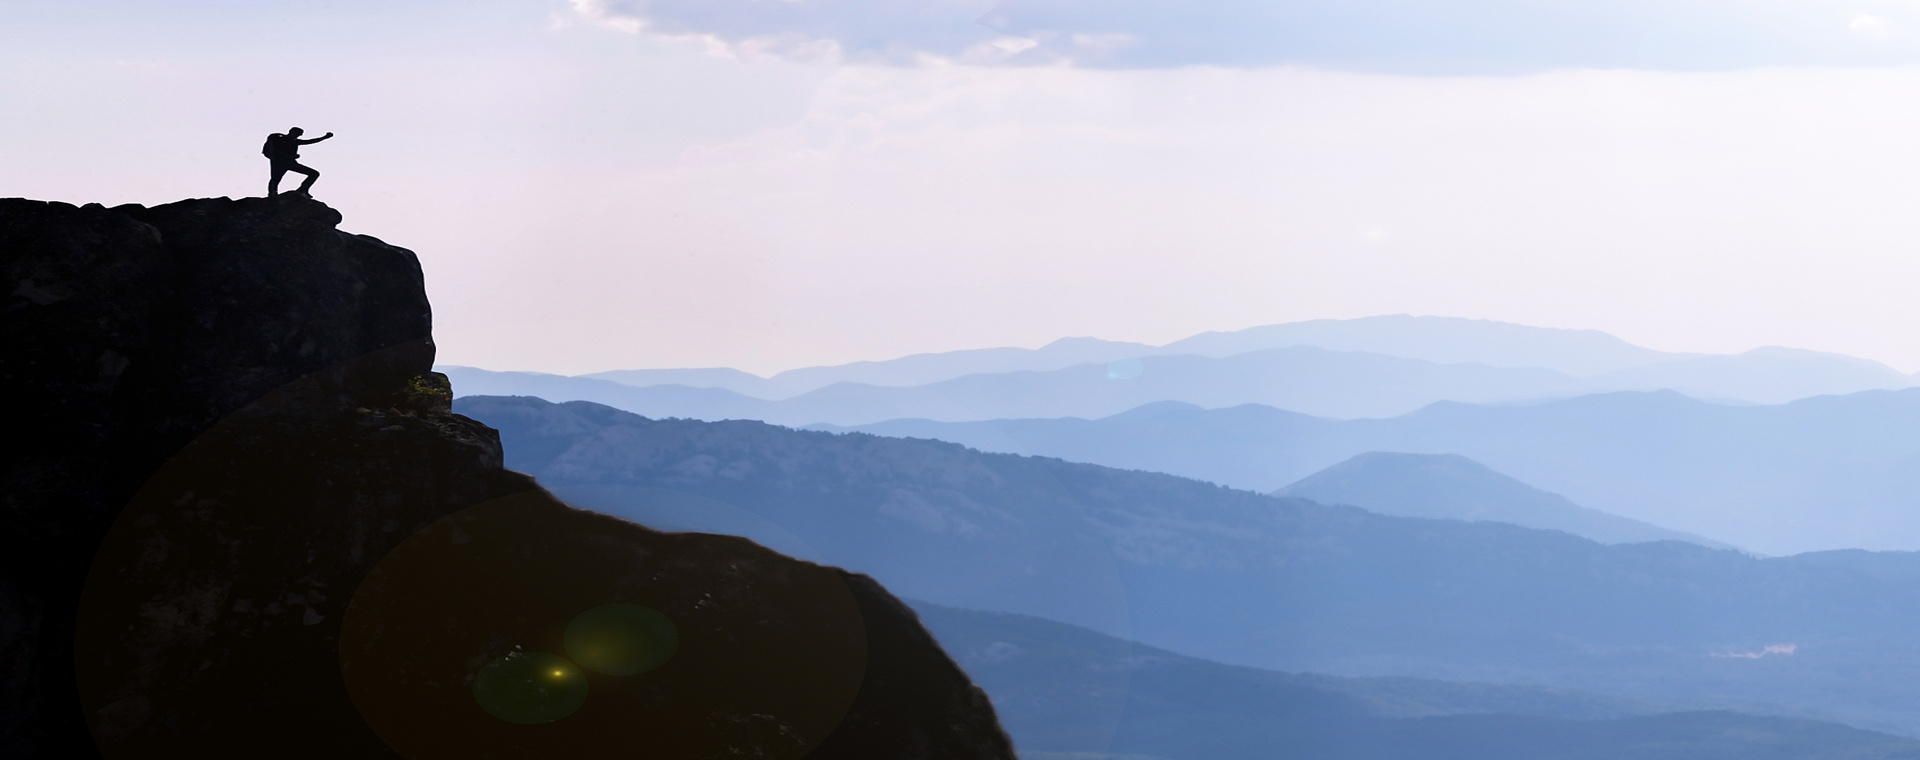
(1872, 26)
(510, 688)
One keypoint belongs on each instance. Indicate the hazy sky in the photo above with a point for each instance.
(776, 183)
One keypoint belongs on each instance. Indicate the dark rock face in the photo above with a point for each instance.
(251, 526)
(123, 346)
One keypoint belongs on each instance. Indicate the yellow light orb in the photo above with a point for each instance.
(511, 689)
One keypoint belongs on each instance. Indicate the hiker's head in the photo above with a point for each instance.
(294, 132)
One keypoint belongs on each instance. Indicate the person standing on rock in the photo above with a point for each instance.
(283, 150)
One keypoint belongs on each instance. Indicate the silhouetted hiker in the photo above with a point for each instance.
(282, 150)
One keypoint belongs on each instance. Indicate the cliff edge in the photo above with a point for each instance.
(248, 524)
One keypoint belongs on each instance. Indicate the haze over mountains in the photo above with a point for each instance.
(1453, 487)
(1251, 579)
(1821, 473)
(1373, 367)
(1794, 470)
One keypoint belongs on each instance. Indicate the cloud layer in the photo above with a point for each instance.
(1393, 36)
(586, 202)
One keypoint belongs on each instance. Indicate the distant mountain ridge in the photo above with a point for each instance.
(1257, 580)
(1313, 380)
(1441, 340)
(1372, 367)
(916, 369)
(1450, 486)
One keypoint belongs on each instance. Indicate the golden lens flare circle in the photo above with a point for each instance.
(621, 639)
(767, 668)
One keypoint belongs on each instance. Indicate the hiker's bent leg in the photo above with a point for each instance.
(311, 175)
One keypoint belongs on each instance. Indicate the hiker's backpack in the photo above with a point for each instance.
(271, 148)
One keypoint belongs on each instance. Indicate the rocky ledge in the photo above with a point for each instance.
(249, 525)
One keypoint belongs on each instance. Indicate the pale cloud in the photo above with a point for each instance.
(886, 31)
(1877, 27)
(927, 208)
(1769, 650)
(596, 12)
(998, 50)
(1402, 36)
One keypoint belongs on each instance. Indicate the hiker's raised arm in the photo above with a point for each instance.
(315, 140)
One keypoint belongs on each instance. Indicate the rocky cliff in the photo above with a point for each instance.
(247, 523)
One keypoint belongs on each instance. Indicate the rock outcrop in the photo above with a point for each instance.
(248, 524)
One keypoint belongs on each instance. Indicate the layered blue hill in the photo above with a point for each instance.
(1251, 579)
(1371, 367)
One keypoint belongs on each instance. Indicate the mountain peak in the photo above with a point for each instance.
(1453, 487)
(1443, 340)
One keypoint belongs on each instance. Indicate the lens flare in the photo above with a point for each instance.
(621, 639)
(530, 688)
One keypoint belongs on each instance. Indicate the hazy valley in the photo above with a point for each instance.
(1258, 580)
(1066, 692)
